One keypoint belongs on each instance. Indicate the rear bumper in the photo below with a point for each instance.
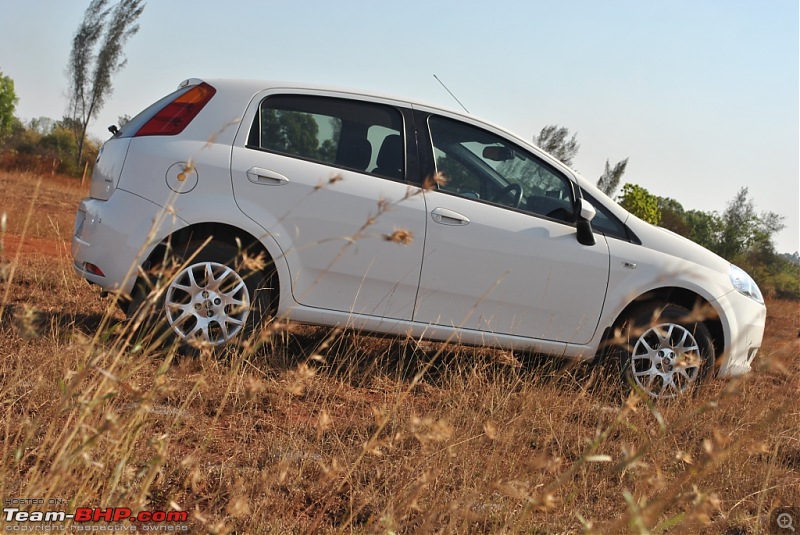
(113, 238)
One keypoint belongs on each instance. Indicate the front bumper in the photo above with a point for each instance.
(112, 238)
(743, 321)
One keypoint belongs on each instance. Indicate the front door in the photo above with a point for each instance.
(501, 253)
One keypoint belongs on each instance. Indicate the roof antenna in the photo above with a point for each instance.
(451, 93)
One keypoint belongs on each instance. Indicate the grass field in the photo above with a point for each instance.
(314, 431)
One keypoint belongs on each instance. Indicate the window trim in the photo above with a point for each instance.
(429, 154)
(628, 236)
(411, 163)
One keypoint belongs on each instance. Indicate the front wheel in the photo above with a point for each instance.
(665, 353)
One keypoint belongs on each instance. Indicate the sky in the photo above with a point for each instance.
(702, 96)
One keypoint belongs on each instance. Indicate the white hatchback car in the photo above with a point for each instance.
(339, 208)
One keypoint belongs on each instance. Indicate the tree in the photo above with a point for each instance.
(59, 147)
(673, 216)
(743, 229)
(704, 228)
(41, 125)
(96, 56)
(792, 258)
(640, 203)
(8, 103)
(555, 140)
(611, 177)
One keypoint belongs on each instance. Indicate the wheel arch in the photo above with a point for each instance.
(217, 232)
(684, 297)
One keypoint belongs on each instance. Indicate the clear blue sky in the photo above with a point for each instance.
(702, 95)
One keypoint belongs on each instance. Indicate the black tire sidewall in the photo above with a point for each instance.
(653, 314)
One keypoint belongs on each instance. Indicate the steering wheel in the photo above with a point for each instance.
(516, 189)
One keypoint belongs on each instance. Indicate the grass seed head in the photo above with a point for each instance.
(401, 236)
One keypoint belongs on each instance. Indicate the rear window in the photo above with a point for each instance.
(360, 136)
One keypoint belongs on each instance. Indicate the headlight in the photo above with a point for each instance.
(745, 284)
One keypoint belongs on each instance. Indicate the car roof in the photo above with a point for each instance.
(261, 85)
(255, 86)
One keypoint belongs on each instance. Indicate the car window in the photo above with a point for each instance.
(355, 135)
(478, 164)
(604, 221)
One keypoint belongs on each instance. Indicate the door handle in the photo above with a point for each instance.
(443, 216)
(257, 175)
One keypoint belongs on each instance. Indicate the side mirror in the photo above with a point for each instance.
(586, 210)
(586, 213)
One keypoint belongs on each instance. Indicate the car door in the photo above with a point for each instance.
(325, 177)
(501, 251)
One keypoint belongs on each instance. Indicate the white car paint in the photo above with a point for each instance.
(472, 271)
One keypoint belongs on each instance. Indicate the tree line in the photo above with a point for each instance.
(62, 146)
(740, 234)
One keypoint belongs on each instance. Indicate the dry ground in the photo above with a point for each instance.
(312, 431)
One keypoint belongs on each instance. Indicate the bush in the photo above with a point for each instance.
(640, 203)
(45, 150)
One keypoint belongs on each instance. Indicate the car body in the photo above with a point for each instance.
(390, 216)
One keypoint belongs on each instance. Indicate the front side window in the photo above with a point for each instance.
(360, 136)
(605, 222)
(481, 165)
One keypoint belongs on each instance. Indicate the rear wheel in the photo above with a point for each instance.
(207, 303)
(204, 295)
(664, 352)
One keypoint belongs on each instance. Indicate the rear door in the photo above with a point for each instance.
(326, 177)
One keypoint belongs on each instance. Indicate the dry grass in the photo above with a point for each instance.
(319, 431)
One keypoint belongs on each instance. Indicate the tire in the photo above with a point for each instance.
(202, 296)
(664, 352)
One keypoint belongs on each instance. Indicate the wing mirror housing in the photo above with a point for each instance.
(586, 210)
(586, 213)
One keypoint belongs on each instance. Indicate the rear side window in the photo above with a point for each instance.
(360, 136)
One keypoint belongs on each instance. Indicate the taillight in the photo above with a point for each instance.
(176, 115)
